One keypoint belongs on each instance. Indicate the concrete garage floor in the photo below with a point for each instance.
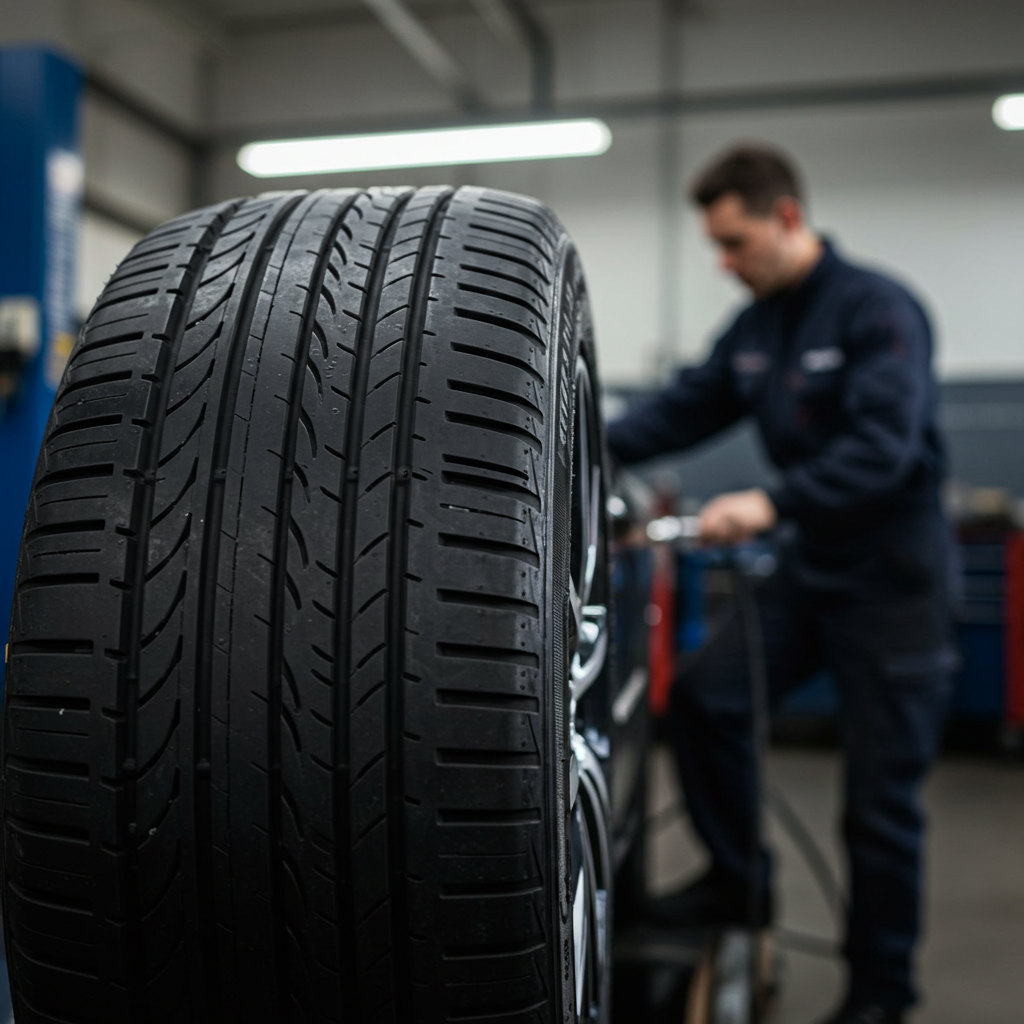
(972, 965)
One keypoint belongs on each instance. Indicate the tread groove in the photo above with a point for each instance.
(30, 647)
(201, 710)
(369, 309)
(63, 579)
(60, 529)
(142, 523)
(532, 267)
(92, 382)
(62, 476)
(499, 276)
(463, 460)
(478, 891)
(497, 547)
(500, 321)
(486, 652)
(540, 228)
(491, 951)
(117, 339)
(482, 600)
(83, 424)
(498, 357)
(483, 391)
(477, 816)
(397, 590)
(487, 758)
(489, 700)
(487, 483)
(493, 293)
(499, 426)
(515, 236)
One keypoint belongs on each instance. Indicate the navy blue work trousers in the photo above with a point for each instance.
(886, 640)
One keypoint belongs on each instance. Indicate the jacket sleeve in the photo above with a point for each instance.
(700, 402)
(887, 404)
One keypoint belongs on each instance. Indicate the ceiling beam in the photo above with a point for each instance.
(421, 44)
(340, 17)
(348, 15)
(796, 97)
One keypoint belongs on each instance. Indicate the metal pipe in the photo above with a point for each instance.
(499, 20)
(515, 17)
(423, 47)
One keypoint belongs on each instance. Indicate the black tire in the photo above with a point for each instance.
(286, 730)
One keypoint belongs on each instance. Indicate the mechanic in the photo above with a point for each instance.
(833, 362)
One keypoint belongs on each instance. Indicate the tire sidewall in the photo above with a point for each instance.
(571, 337)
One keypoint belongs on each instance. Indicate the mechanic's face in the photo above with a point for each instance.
(755, 248)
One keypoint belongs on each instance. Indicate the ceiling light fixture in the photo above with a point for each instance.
(442, 147)
(1008, 112)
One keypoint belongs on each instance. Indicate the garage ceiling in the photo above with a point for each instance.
(253, 16)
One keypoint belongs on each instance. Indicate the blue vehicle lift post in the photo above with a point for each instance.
(41, 179)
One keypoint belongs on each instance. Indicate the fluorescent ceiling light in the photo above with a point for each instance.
(541, 140)
(1008, 112)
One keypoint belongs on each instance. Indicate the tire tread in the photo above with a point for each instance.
(292, 499)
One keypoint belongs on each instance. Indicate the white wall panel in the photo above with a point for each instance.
(606, 49)
(133, 167)
(738, 43)
(101, 246)
(153, 53)
(28, 23)
(141, 45)
(933, 192)
(315, 74)
(609, 205)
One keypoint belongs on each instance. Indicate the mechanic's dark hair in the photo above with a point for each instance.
(759, 175)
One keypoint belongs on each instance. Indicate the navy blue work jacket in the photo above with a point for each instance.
(837, 374)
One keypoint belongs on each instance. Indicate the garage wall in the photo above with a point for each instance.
(155, 54)
(932, 190)
(735, 43)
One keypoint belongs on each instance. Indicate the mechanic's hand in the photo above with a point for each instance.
(734, 518)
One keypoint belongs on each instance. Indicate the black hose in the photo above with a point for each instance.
(802, 942)
(809, 849)
(789, 819)
(759, 725)
(771, 797)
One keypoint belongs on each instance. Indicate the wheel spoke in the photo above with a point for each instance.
(588, 631)
(593, 526)
(590, 642)
(581, 930)
(591, 877)
(576, 613)
(591, 648)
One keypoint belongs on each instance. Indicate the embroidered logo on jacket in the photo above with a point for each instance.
(820, 360)
(750, 362)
